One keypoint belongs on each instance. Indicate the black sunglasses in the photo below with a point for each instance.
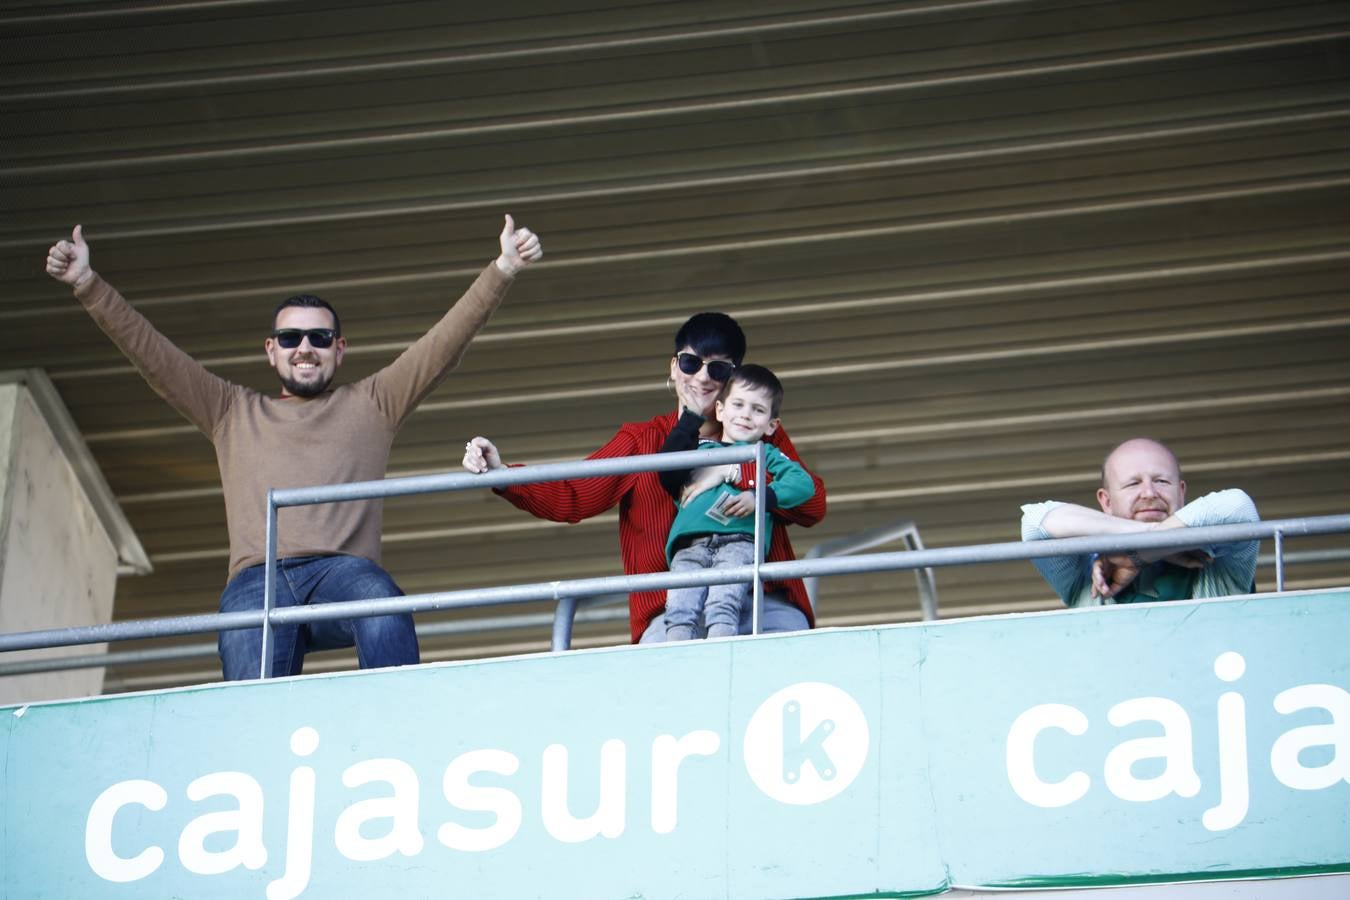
(718, 369)
(290, 338)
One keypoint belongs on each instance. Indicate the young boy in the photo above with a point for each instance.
(715, 524)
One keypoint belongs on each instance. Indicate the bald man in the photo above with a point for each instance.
(1142, 491)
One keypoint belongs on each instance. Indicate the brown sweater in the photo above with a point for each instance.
(267, 442)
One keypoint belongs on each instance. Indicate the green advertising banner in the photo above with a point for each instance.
(1191, 740)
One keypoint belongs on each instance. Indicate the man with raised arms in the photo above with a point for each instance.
(1142, 490)
(307, 434)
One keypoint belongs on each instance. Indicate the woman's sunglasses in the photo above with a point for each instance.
(290, 338)
(718, 369)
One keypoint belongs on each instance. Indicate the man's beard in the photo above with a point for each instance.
(305, 389)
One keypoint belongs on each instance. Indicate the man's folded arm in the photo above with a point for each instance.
(1233, 570)
(1065, 574)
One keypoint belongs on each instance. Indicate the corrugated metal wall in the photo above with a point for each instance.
(981, 241)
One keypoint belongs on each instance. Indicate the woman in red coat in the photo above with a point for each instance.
(707, 348)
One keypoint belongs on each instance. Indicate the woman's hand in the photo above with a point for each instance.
(692, 399)
(701, 480)
(480, 455)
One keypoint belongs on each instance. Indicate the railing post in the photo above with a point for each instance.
(1279, 560)
(269, 587)
(927, 581)
(760, 525)
(563, 615)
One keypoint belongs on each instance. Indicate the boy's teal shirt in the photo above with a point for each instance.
(791, 486)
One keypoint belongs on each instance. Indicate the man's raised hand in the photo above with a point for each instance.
(68, 261)
(520, 247)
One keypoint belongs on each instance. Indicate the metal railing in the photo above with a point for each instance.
(903, 530)
(568, 594)
(504, 477)
(591, 610)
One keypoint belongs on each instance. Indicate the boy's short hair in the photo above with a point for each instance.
(308, 301)
(712, 334)
(760, 377)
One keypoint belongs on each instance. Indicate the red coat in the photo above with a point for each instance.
(646, 512)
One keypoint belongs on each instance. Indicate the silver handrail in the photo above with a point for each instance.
(588, 610)
(577, 589)
(394, 487)
(905, 530)
(591, 587)
(504, 477)
(591, 610)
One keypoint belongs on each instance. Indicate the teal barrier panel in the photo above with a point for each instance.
(1181, 741)
(1172, 741)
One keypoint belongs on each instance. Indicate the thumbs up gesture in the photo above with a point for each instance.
(68, 261)
(520, 247)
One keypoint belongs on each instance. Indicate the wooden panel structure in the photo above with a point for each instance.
(981, 240)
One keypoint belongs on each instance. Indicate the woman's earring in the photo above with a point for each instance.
(670, 386)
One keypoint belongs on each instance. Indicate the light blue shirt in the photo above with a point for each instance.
(1232, 571)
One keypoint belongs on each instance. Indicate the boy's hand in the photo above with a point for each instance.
(740, 506)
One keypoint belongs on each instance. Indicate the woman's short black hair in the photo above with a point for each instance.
(712, 334)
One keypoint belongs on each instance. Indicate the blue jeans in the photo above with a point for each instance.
(778, 615)
(380, 640)
(719, 604)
